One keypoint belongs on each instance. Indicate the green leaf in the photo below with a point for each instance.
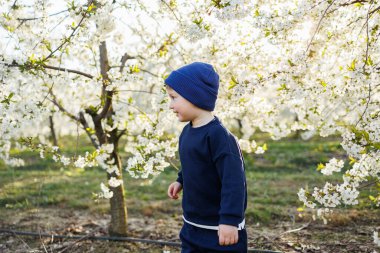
(233, 82)
(213, 50)
(198, 21)
(352, 66)
(329, 35)
(376, 145)
(369, 61)
(7, 100)
(91, 7)
(291, 63)
(360, 134)
(352, 160)
(173, 4)
(323, 83)
(283, 87)
(134, 69)
(47, 44)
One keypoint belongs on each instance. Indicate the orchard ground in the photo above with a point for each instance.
(43, 197)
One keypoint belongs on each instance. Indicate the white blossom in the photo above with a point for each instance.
(114, 182)
(260, 150)
(80, 162)
(106, 192)
(376, 239)
(42, 153)
(65, 160)
(333, 165)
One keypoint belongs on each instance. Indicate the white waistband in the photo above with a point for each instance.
(240, 226)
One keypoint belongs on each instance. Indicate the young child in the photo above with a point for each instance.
(212, 175)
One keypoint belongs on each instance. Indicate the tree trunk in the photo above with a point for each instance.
(119, 214)
(118, 224)
(53, 136)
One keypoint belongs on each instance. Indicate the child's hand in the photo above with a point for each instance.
(174, 189)
(228, 235)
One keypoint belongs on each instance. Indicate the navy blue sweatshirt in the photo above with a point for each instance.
(212, 175)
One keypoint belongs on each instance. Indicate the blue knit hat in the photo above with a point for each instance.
(197, 82)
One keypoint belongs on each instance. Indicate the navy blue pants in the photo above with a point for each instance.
(199, 240)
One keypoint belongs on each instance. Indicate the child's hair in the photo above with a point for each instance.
(197, 82)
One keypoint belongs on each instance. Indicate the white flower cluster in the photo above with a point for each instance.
(149, 157)
(302, 197)
(80, 162)
(114, 182)
(105, 22)
(150, 148)
(106, 192)
(333, 165)
(260, 150)
(330, 196)
(350, 145)
(247, 145)
(234, 9)
(197, 29)
(376, 239)
(327, 196)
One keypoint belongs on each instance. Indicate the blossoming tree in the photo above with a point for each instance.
(98, 67)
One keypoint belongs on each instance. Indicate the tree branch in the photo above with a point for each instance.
(319, 24)
(106, 107)
(69, 70)
(124, 59)
(143, 91)
(15, 64)
(374, 10)
(353, 2)
(29, 19)
(86, 128)
(68, 39)
(106, 95)
(80, 119)
(170, 8)
(121, 134)
(61, 108)
(147, 71)
(368, 184)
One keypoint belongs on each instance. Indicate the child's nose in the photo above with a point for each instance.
(171, 106)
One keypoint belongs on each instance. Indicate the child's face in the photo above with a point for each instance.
(184, 110)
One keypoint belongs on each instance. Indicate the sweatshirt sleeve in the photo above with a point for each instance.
(229, 163)
(179, 177)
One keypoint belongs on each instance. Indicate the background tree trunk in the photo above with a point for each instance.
(53, 136)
